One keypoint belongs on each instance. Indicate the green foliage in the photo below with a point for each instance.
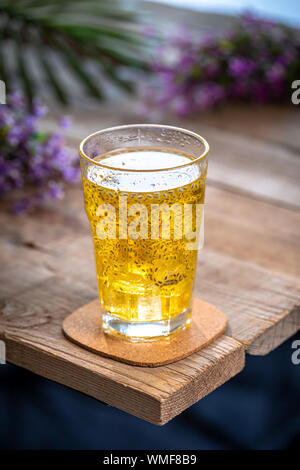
(76, 34)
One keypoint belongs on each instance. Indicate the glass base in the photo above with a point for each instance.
(145, 331)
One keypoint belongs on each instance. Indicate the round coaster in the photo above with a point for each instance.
(83, 327)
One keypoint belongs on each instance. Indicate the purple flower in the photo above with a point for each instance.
(38, 173)
(53, 143)
(38, 110)
(5, 186)
(15, 135)
(254, 60)
(260, 92)
(32, 159)
(207, 40)
(71, 174)
(16, 178)
(187, 62)
(241, 67)
(6, 117)
(182, 106)
(55, 190)
(289, 55)
(211, 70)
(275, 73)
(239, 89)
(208, 95)
(167, 77)
(30, 123)
(65, 122)
(4, 167)
(17, 100)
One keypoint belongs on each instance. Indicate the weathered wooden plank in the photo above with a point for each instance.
(235, 225)
(277, 333)
(255, 300)
(30, 325)
(248, 269)
(47, 225)
(244, 162)
(224, 280)
(253, 230)
(271, 123)
(252, 166)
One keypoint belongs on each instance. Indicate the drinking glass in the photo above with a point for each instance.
(144, 193)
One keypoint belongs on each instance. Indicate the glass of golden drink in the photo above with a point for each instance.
(144, 190)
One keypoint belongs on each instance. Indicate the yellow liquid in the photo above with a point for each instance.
(143, 280)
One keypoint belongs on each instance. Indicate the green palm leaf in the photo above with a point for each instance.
(52, 78)
(23, 70)
(78, 32)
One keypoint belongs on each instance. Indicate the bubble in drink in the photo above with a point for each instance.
(149, 277)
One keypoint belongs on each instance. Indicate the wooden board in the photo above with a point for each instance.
(249, 269)
(271, 160)
(156, 395)
(268, 123)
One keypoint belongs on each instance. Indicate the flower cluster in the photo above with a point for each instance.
(33, 165)
(255, 60)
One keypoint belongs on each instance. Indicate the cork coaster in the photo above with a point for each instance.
(83, 327)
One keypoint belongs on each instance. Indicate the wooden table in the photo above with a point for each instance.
(249, 268)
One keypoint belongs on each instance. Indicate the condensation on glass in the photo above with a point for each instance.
(144, 193)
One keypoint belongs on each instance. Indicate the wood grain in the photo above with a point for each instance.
(224, 280)
(270, 123)
(249, 269)
(30, 325)
(253, 230)
(254, 300)
(156, 396)
(255, 167)
(260, 167)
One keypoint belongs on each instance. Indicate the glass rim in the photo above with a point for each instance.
(132, 126)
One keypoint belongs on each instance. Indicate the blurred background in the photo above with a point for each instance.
(103, 63)
(279, 10)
